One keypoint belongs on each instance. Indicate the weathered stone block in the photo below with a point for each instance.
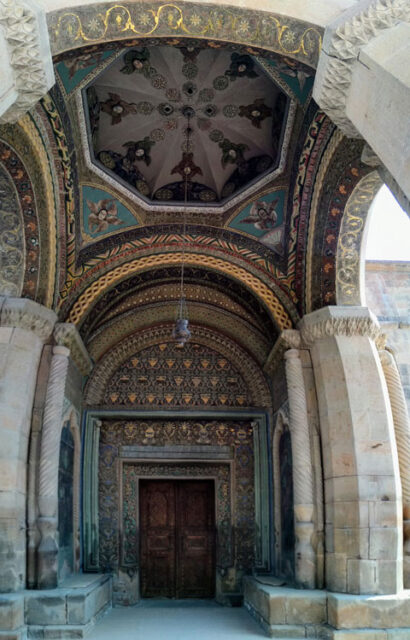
(17, 634)
(366, 612)
(45, 610)
(11, 612)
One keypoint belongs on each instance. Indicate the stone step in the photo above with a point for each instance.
(58, 632)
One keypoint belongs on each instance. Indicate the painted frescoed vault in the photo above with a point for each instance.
(179, 160)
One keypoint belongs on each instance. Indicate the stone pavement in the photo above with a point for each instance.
(176, 620)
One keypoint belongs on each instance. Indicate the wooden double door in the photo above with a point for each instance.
(177, 525)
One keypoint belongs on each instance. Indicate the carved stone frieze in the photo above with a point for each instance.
(339, 321)
(341, 46)
(66, 335)
(28, 53)
(28, 315)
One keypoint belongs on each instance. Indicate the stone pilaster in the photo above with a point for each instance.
(48, 477)
(362, 486)
(24, 327)
(402, 430)
(303, 494)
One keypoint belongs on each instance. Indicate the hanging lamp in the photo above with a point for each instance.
(181, 332)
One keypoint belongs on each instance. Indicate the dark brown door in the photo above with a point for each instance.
(177, 539)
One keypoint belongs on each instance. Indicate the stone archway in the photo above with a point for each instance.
(350, 257)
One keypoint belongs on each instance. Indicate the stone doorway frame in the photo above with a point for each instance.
(262, 474)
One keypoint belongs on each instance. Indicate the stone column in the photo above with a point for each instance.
(303, 496)
(362, 485)
(24, 327)
(47, 553)
(69, 344)
(402, 430)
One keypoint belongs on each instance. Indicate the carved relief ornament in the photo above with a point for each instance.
(341, 48)
(29, 56)
(66, 335)
(28, 315)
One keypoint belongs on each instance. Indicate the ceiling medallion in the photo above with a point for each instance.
(137, 109)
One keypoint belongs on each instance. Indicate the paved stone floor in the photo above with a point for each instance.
(177, 620)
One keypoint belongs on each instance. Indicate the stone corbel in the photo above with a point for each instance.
(66, 335)
(26, 56)
(30, 316)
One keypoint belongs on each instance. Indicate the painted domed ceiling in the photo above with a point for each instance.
(162, 120)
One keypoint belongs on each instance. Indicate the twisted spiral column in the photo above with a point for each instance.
(402, 430)
(303, 483)
(48, 475)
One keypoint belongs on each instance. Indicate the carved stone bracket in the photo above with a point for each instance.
(28, 315)
(339, 321)
(26, 53)
(341, 46)
(66, 335)
(288, 339)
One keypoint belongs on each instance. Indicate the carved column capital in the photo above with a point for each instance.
(288, 339)
(26, 56)
(339, 321)
(342, 42)
(25, 314)
(66, 334)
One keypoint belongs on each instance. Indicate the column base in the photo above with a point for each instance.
(284, 612)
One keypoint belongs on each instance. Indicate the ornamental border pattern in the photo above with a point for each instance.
(349, 285)
(246, 366)
(348, 327)
(98, 23)
(259, 288)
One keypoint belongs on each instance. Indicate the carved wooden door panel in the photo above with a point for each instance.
(157, 521)
(177, 539)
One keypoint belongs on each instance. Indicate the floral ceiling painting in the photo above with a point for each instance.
(103, 214)
(264, 219)
(164, 120)
(298, 79)
(76, 68)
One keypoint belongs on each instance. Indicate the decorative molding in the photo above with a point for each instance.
(26, 314)
(259, 288)
(101, 22)
(288, 339)
(25, 31)
(341, 47)
(66, 334)
(315, 327)
(349, 259)
(246, 366)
